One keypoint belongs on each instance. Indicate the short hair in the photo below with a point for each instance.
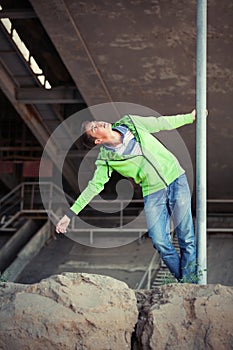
(87, 140)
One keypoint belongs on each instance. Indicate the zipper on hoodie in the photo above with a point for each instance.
(108, 169)
(148, 160)
(143, 154)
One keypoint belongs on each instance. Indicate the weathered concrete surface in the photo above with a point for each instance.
(69, 311)
(126, 263)
(185, 317)
(220, 259)
(123, 263)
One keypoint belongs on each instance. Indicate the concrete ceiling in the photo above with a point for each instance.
(138, 51)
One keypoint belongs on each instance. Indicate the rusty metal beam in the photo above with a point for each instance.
(20, 148)
(61, 94)
(17, 13)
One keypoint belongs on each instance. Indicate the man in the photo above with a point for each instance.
(129, 148)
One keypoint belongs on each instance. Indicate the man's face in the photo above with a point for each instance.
(99, 130)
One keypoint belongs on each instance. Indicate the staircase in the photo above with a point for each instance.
(163, 275)
(19, 226)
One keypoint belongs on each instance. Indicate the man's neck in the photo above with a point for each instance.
(115, 139)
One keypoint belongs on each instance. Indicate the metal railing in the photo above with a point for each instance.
(47, 197)
(27, 198)
(11, 201)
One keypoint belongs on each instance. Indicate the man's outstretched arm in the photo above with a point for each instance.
(155, 124)
(94, 187)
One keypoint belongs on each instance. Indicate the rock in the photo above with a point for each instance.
(185, 316)
(68, 311)
(93, 312)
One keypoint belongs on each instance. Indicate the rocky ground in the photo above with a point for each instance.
(93, 312)
(185, 317)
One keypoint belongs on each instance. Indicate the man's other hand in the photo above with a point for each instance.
(63, 224)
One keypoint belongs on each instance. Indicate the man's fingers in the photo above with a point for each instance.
(60, 229)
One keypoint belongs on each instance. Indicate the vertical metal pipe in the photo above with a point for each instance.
(22, 197)
(121, 213)
(201, 140)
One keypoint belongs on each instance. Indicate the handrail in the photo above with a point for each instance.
(11, 220)
(147, 273)
(16, 203)
(27, 204)
(3, 199)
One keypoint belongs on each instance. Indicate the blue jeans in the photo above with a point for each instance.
(173, 201)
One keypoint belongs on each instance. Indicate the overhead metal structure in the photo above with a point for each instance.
(201, 224)
(37, 105)
(39, 95)
(18, 14)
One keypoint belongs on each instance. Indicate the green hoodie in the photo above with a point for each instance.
(154, 170)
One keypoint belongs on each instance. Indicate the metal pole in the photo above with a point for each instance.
(201, 140)
(121, 214)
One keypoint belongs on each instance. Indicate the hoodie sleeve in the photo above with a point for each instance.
(155, 124)
(95, 186)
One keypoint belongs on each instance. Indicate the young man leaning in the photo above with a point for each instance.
(129, 148)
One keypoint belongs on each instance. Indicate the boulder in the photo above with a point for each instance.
(185, 316)
(93, 312)
(68, 311)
